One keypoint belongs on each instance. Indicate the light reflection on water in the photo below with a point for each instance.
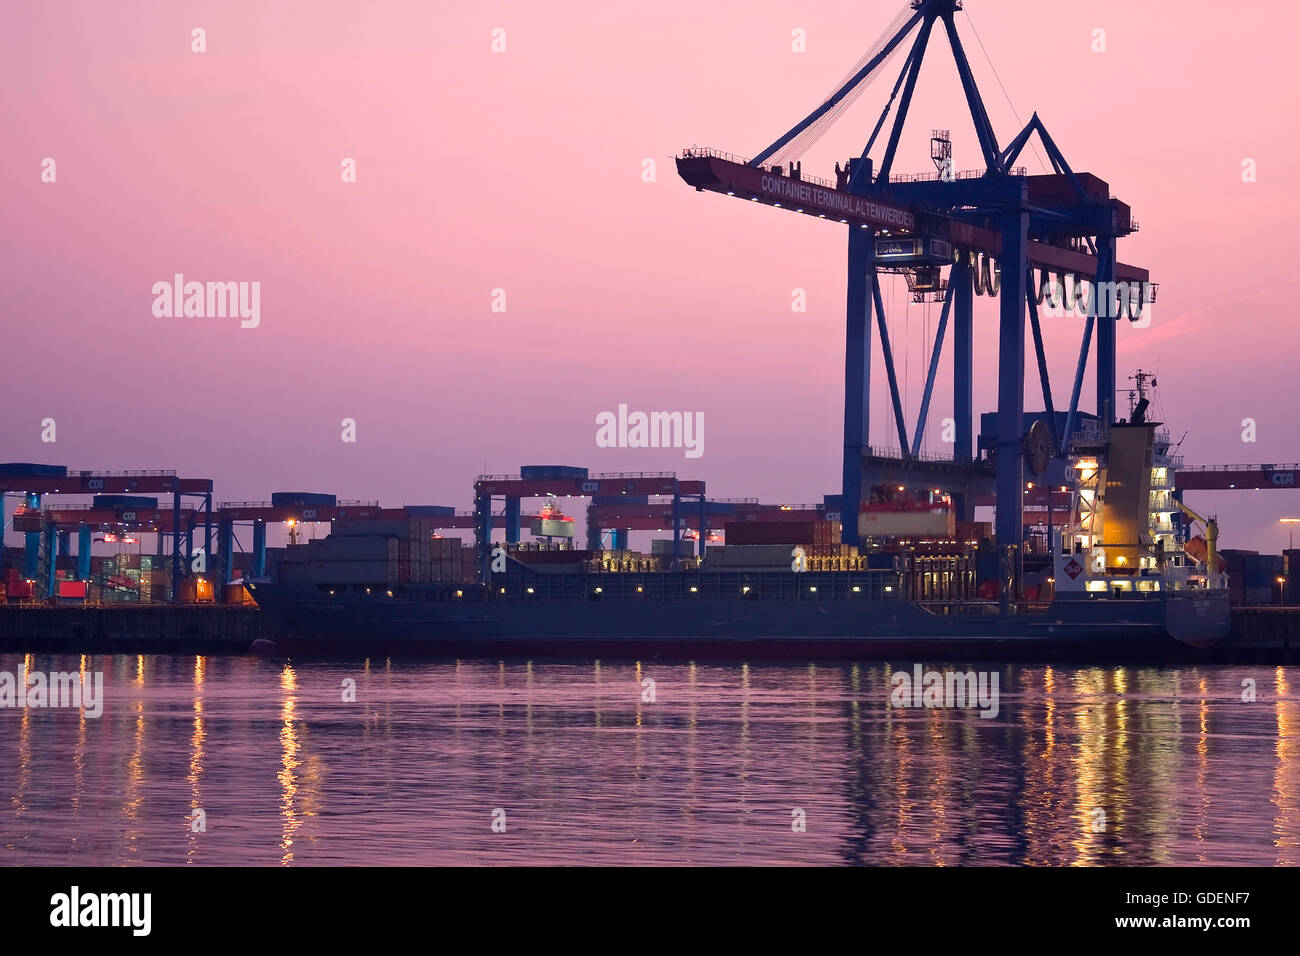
(588, 770)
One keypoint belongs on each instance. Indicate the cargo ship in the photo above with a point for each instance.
(1124, 580)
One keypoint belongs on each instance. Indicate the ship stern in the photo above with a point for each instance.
(1198, 617)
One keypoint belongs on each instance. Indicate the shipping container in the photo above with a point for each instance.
(782, 532)
(766, 556)
(551, 472)
(24, 469)
(236, 594)
(397, 527)
(124, 502)
(28, 520)
(938, 523)
(340, 572)
(1255, 596)
(358, 548)
(21, 590)
(72, 589)
(288, 499)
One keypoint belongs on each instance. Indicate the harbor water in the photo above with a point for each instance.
(240, 759)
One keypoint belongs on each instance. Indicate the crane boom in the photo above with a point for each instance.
(1211, 525)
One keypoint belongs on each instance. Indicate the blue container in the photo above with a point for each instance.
(125, 502)
(551, 472)
(23, 469)
(283, 499)
(430, 511)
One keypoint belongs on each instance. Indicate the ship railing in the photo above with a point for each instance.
(347, 503)
(1276, 466)
(888, 451)
(165, 473)
(1092, 431)
(960, 606)
(599, 476)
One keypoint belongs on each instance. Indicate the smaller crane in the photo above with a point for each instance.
(1211, 526)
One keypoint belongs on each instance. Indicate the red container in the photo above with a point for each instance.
(780, 532)
(72, 589)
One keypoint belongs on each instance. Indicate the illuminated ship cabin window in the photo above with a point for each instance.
(1148, 585)
(1097, 586)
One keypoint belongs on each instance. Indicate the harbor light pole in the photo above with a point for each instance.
(1286, 559)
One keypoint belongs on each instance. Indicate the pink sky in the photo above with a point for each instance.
(522, 171)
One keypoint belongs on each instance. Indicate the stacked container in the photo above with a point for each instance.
(806, 533)
(1252, 577)
(376, 553)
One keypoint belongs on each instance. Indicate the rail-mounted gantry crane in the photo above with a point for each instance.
(1062, 223)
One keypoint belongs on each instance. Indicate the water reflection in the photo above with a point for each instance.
(197, 739)
(1080, 766)
(1286, 793)
(289, 762)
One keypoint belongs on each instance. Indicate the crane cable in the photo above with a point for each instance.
(1014, 112)
(806, 139)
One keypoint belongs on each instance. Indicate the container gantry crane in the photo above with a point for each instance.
(1062, 223)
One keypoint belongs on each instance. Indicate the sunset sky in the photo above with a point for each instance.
(522, 171)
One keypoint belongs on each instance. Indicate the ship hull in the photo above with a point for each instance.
(1175, 628)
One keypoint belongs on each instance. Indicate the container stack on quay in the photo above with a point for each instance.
(129, 576)
(17, 589)
(1291, 571)
(123, 578)
(1253, 577)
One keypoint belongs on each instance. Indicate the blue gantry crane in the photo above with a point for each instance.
(989, 230)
